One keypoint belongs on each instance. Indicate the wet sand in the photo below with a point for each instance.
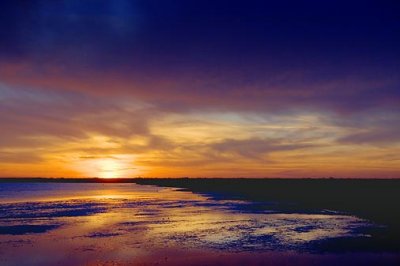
(129, 224)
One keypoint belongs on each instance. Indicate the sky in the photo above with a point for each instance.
(218, 88)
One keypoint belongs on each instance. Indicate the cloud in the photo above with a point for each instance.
(373, 137)
(20, 157)
(203, 85)
(255, 148)
(175, 91)
(376, 129)
(182, 56)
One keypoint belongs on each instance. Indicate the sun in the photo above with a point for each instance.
(110, 168)
(115, 166)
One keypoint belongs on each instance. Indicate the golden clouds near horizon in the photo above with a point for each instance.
(121, 141)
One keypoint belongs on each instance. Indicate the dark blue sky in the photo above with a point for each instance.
(295, 32)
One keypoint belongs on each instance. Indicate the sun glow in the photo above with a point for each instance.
(110, 167)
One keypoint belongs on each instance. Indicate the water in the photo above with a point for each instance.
(112, 224)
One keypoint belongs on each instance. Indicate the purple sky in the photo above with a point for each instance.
(200, 88)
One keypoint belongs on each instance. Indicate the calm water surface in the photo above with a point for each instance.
(117, 224)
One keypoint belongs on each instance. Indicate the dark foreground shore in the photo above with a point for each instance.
(375, 200)
(199, 222)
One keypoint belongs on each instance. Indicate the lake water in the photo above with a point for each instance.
(129, 224)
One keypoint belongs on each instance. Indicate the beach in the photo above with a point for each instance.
(131, 224)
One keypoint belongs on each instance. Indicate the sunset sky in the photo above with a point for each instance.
(199, 88)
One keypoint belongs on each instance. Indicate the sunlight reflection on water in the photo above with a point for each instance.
(81, 222)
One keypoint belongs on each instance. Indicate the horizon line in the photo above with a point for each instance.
(198, 177)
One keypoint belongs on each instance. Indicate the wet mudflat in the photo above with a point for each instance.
(130, 224)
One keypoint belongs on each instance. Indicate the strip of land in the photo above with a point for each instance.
(373, 199)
